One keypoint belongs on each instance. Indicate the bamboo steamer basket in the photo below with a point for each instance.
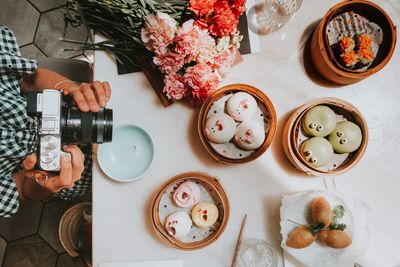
(322, 55)
(260, 98)
(293, 126)
(223, 208)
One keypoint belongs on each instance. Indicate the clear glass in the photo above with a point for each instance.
(257, 253)
(278, 12)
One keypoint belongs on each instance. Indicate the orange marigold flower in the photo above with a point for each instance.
(349, 58)
(346, 44)
(364, 41)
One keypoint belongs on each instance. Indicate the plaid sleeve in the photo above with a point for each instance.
(18, 132)
(12, 65)
(9, 202)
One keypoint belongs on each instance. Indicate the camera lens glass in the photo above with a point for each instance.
(79, 127)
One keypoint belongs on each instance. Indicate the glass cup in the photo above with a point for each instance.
(257, 253)
(278, 12)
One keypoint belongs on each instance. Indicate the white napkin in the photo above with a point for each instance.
(165, 263)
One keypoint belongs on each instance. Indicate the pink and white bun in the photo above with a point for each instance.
(220, 128)
(241, 106)
(249, 135)
(187, 194)
(178, 224)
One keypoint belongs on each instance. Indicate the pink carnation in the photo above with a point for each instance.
(174, 86)
(188, 41)
(223, 62)
(159, 31)
(169, 62)
(202, 7)
(206, 47)
(201, 80)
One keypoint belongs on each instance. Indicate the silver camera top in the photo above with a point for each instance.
(48, 103)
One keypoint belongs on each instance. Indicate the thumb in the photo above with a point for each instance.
(30, 162)
(65, 177)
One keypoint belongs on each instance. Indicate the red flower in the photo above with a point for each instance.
(202, 7)
(224, 20)
(238, 7)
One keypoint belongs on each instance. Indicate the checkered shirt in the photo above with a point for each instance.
(18, 131)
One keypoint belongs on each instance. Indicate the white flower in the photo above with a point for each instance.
(223, 44)
(159, 31)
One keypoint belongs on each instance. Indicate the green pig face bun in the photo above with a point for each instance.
(319, 121)
(346, 137)
(317, 151)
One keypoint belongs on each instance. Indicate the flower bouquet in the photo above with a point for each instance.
(184, 48)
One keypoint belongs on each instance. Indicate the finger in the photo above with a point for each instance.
(30, 174)
(30, 162)
(65, 178)
(78, 159)
(107, 88)
(90, 98)
(101, 92)
(80, 101)
(71, 89)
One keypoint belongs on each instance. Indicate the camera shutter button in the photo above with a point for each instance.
(49, 142)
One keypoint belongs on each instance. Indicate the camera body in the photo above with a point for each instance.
(60, 122)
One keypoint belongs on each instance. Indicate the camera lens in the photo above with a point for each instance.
(102, 126)
(79, 127)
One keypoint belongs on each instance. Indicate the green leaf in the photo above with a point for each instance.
(315, 229)
(338, 213)
(339, 226)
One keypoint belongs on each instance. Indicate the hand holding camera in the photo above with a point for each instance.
(78, 117)
(70, 171)
(90, 97)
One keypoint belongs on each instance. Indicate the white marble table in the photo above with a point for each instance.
(122, 230)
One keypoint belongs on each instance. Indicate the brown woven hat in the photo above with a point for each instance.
(69, 226)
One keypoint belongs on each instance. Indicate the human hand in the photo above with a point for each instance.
(72, 166)
(91, 96)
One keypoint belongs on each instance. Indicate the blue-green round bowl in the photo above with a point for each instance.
(128, 156)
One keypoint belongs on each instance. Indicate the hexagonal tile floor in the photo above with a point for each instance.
(30, 238)
(38, 25)
(30, 252)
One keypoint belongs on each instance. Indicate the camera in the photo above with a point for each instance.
(60, 122)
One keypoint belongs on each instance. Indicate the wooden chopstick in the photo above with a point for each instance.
(239, 241)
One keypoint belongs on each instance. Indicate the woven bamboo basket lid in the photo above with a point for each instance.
(68, 230)
(322, 55)
(220, 196)
(261, 98)
(290, 137)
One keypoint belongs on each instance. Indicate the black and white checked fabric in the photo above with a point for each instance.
(18, 132)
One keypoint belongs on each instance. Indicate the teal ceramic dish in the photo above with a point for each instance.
(128, 156)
